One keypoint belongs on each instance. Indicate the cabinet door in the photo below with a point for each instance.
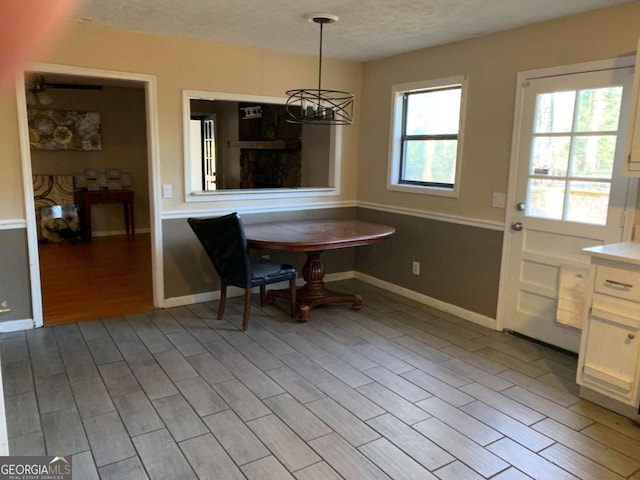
(632, 150)
(611, 355)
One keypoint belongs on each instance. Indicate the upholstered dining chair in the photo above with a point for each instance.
(225, 243)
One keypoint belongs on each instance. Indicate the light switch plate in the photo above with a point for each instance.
(499, 200)
(167, 190)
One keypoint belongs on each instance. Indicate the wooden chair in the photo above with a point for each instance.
(225, 243)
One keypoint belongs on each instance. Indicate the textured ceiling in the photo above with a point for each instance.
(367, 29)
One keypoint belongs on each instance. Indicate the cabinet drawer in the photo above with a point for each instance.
(618, 282)
(624, 313)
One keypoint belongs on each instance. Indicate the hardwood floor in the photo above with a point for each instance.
(107, 277)
(397, 390)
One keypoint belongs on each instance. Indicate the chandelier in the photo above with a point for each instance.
(318, 106)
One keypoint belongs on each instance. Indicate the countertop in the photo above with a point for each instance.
(628, 252)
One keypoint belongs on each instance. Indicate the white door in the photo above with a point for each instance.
(569, 193)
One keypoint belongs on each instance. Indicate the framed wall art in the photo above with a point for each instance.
(64, 130)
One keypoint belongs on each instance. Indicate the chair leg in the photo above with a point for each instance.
(263, 295)
(292, 297)
(223, 299)
(247, 309)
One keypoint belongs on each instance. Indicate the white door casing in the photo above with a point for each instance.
(153, 168)
(547, 250)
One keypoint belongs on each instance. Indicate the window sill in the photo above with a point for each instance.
(260, 194)
(421, 190)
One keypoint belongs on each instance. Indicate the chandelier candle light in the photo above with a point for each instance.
(318, 106)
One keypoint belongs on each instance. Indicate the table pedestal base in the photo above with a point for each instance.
(314, 293)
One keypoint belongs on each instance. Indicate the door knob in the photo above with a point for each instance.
(631, 336)
(517, 226)
(520, 206)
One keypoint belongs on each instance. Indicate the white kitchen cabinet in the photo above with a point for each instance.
(632, 149)
(609, 360)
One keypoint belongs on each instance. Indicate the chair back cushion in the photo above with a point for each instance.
(226, 245)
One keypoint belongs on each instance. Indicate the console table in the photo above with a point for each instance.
(85, 198)
(313, 237)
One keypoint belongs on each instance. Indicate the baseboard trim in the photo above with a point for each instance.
(334, 277)
(111, 233)
(237, 292)
(617, 406)
(429, 301)
(9, 326)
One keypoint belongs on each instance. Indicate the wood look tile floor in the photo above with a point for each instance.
(397, 390)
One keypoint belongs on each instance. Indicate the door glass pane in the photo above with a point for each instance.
(593, 156)
(545, 198)
(588, 202)
(550, 156)
(599, 109)
(429, 161)
(420, 108)
(554, 112)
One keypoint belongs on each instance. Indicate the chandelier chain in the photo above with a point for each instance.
(320, 58)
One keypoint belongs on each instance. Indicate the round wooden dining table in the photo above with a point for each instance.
(314, 237)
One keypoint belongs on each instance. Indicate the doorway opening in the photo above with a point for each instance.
(93, 137)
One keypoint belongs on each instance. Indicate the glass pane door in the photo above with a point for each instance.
(573, 148)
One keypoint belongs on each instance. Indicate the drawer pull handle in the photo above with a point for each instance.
(631, 336)
(613, 283)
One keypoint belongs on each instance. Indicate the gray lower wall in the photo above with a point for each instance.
(15, 286)
(459, 264)
(188, 271)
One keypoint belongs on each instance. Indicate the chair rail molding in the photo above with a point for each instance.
(13, 224)
(441, 217)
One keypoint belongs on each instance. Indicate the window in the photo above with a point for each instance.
(573, 148)
(426, 127)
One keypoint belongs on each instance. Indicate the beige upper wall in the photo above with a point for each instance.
(491, 63)
(11, 193)
(124, 146)
(181, 64)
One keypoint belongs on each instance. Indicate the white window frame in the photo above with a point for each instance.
(395, 141)
(194, 193)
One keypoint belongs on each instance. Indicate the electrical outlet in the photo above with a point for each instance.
(415, 268)
(4, 307)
